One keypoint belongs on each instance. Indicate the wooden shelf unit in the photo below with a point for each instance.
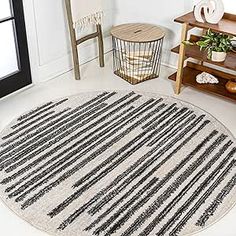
(189, 79)
(187, 74)
(194, 52)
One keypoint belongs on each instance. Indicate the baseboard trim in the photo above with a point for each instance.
(16, 92)
(66, 71)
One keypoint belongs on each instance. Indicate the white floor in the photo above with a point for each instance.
(95, 79)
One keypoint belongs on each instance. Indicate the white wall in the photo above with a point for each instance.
(48, 36)
(159, 12)
(230, 6)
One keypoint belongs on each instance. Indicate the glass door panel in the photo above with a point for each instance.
(8, 49)
(14, 58)
(5, 9)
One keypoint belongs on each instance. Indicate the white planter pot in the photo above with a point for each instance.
(218, 56)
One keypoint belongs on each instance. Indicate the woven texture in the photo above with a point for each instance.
(118, 163)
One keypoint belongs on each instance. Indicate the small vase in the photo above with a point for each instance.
(218, 56)
(231, 86)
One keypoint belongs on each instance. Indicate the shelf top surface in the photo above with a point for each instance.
(227, 25)
(138, 32)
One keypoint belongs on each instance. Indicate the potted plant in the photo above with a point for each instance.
(216, 44)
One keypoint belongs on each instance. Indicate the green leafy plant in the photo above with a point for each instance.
(213, 41)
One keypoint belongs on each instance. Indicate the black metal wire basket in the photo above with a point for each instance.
(137, 60)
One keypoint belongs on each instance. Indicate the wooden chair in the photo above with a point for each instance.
(75, 42)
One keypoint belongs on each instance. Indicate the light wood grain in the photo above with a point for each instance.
(181, 58)
(138, 33)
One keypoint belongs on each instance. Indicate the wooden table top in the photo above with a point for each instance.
(137, 32)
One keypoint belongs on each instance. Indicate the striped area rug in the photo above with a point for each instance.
(118, 163)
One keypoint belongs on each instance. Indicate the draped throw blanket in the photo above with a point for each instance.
(86, 12)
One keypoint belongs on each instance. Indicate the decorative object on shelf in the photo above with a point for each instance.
(91, 165)
(206, 78)
(231, 86)
(216, 44)
(137, 51)
(213, 11)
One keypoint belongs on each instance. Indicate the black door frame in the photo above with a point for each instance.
(22, 77)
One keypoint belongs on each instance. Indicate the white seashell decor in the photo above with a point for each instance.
(213, 11)
(206, 78)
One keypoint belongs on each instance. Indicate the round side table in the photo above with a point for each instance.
(137, 51)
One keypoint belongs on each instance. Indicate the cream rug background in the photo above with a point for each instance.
(118, 163)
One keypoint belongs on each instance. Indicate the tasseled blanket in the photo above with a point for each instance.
(86, 12)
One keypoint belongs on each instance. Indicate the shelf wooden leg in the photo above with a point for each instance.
(181, 58)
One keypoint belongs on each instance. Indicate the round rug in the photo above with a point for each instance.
(118, 163)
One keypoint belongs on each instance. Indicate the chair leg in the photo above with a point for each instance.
(100, 46)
